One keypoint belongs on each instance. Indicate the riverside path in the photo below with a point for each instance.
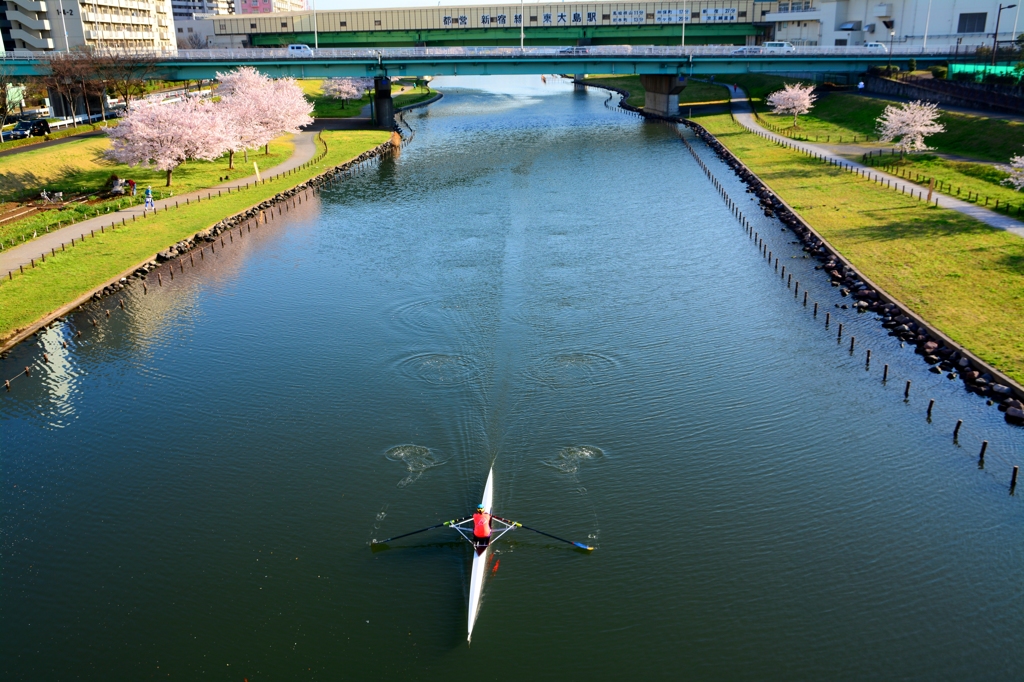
(23, 254)
(744, 115)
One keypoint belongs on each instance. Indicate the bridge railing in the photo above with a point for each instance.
(572, 53)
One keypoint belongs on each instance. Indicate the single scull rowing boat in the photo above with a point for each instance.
(499, 527)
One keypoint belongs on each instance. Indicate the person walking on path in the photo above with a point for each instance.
(149, 197)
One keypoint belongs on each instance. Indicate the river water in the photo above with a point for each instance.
(548, 285)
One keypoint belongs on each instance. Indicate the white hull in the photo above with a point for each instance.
(476, 580)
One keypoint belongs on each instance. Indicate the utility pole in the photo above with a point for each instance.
(67, 43)
(927, 20)
(995, 36)
(316, 37)
(682, 39)
(522, 23)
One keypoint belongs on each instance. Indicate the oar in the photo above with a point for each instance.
(554, 537)
(405, 535)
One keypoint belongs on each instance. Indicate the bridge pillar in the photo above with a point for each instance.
(383, 105)
(577, 81)
(661, 93)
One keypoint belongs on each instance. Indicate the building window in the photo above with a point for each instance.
(840, 42)
(973, 22)
(533, 18)
(606, 17)
(252, 25)
(741, 14)
(376, 22)
(344, 24)
(179, 30)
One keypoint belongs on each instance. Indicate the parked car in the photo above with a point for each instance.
(876, 47)
(749, 50)
(575, 49)
(29, 128)
(300, 51)
(778, 47)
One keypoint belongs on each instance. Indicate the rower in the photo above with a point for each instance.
(481, 526)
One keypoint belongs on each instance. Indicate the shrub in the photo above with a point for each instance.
(996, 79)
(965, 77)
(883, 70)
(911, 64)
(939, 72)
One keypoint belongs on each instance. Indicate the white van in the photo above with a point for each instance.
(876, 47)
(778, 47)
(300, 51)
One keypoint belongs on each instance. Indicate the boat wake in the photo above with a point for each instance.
(416, 459)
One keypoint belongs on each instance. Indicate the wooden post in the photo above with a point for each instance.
(815, 305)
(885, 373)
(906, 391)
(984, 447)
(956, 429)
(931, 404)
(828, 317)
(852, 340)
(1013, 479)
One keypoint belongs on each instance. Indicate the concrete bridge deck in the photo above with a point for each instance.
(482, 61)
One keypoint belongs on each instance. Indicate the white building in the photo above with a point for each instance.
(67, 24)
(269, 6)
(186, 9)
(855, 22)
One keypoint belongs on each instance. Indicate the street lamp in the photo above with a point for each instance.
(889, 24)
(995, 36)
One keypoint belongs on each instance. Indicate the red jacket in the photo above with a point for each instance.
(482, 525)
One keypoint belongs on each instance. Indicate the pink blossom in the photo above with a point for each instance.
(168, 135)
(793, 99)
(908, 124)
(1016, 178)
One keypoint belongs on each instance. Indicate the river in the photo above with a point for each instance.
(542, 283)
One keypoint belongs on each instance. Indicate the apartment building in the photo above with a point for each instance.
(70, 24)
(901, 22)
(268, 6)
(187, 9)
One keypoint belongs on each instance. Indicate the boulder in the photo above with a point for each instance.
(1002, 391)
(1015, 416)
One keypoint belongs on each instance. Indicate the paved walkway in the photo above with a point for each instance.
(49, 143)
(745, 116)
(22, 255)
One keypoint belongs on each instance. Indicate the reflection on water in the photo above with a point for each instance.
(541, 284)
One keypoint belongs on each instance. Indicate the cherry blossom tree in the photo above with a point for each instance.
(1016, 178)
(168, 135)
(341, 88)
(258, 109)
(286, 110)
(908, 124)
(794, 99)
(346, 89)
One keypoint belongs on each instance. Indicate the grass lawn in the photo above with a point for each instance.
(963, 277)
(417, 94)
(843, 115)
(70, 274)
(79, 166)
(694, 92)
(963, 179)
(325, 107)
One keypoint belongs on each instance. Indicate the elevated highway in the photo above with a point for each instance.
(673, 64)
